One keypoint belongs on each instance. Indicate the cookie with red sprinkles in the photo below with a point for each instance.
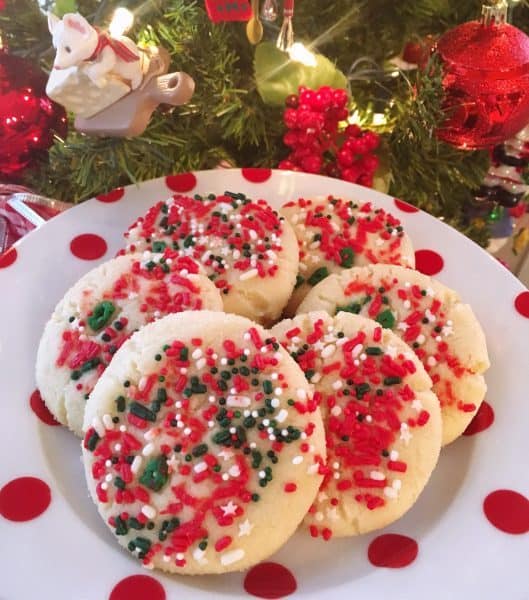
(100, 312)
(431, 318)
(246, 248)
(335, 234)
(199, 452)
(382, 421)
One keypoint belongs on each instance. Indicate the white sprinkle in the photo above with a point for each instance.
(270, 430)
(166, 558)
(303, 435)
(136, 464)
(122, 428)
(403, 326)
(225, 476)
(297, 460)
(211, 399)
(390, 492)
(117, 447)
(255, 414)
(246, 352)
(430, 361)
(199, 467)
(180, 556)
(187, 430)
(201, 363)
(438, 338)
(233, 430)
(393, 455)
(342, 341)
(274, 402)
(148, 511)
(336, 475)
(328, 351)
(107, 421)
(284, 432)
(224, 361)
(150, 434)
(211, 424)
(142, 383)
(104, 485)
(319, 516)
(178, 404)
(148, 449)
(234, 471)
(278, 391)
(282, 415)
(239, 401)
(108, 463)
(248, 274)
(301, 394)
(407, 304)
(253, 445)
(377, 475)
(336, 411)
(335, 465)
(245, 528)
(232, 556)
(98, 426)
(356, 350)
(197, 353)
(369, 418)
(247, 336)
(183, 371)
(108, 477)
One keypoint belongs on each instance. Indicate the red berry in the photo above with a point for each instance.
(351, 173)
(353, 131)
(518, 211)
(311, 164)
(339, 97)
(307, 97)
(370, 163)
(342, 114)
(371, 139)
(290, 138)
(305, 119)
(345, 157)
(290, 117)
(286, 165)
(332, 170)
(292, 101)
(323, 99)
(365, 180)
(357, 145)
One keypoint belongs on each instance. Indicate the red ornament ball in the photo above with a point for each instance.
(486, 83)
(28, 118)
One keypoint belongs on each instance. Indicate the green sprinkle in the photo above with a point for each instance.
(221, 437)
(299, 281)
(188, 241)
(362, 389)
(121, 526)
(156, 473)
(91, 443)
(318, 275)
(255, 497)
(309, 374)
(101, 315)
(141, 411)
(184, 353)
(268, 387)
(135, 524)
(392, 380)
(119, 483)
(203, 545)
(158, 246)
(386, 319)
(347, 256)
(374, 351)
(157, 357)
(199, 450)
(354, 308)
(143, 544)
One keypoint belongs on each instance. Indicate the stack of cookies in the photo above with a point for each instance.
(212, 428)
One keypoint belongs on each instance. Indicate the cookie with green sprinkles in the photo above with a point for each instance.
(335, 234)
(196, 453)
(100, 312)
(246, 248)
(382, 421)
(431, 318)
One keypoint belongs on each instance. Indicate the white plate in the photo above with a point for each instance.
(67, 553)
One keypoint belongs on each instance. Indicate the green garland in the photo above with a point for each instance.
(227, 119)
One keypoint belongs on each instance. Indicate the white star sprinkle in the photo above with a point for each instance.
(229, 509)
(245, 528)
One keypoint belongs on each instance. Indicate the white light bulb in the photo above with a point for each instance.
(122, 21)
(299, 53)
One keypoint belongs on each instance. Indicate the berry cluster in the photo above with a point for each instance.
(319, 145)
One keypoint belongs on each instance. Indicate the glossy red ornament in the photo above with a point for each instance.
(486, 83)
(28, 118)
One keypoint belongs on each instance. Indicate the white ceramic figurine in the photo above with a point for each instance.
(78, 43)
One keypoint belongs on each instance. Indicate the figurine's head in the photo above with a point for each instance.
(73, 37)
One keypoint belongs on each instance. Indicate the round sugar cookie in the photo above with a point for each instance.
(245, 247)
(335, 234)
(100, 312)
(431, 318)
(195, 454)
(382, 421)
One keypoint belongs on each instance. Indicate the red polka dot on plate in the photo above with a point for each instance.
(482, 420)
(404, 206)
(507, 510)
(8, 258)
(428, 262)
(41, 410)
(521, 304)
(183, 182)
(392, 550)
(112, 196)
(24, 498)
(270, 580)
(256, 175)
(138, 587)
(88, 246)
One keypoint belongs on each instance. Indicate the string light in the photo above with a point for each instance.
(300, 53)
(122, 21)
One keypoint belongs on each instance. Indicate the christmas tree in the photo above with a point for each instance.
(231, 119)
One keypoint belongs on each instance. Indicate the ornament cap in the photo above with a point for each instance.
(495, 13)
